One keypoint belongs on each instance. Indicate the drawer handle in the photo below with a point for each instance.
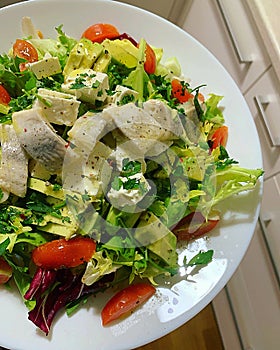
(240, 57)
(264, 235)
(260, 103)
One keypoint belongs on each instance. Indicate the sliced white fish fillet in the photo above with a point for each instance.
(39, 139)
(28, 29)
(85, 160)
(165, 116)
(14, 163)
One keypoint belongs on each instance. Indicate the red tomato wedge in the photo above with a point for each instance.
(180, 92)
(126, 301)
(220, 137)
(193, 226)
(5, 271)
(64, 253)
(100, 31)
(5, 97)
(150, 61)
(26, 50)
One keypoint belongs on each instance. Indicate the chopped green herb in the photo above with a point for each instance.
(202, 258)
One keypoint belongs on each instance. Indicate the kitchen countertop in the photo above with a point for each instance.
(266, 14)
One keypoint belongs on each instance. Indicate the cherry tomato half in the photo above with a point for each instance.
(24, 49)
(5, 271)
(193, 226)
(5, 97)
(220, 137)
(125, 301)
(100, 31)
(180, 92)
(151, 61)
(64, 253)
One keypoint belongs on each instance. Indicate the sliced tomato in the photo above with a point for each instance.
(180, 92)
(5, 97)
(193, 226)
(126, 301)
(220, 137)
(100, 31)
(64, 253)
(5, 271)
(24, 49)
(150, 61)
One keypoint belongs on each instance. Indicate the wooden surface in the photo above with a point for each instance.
(200, 333)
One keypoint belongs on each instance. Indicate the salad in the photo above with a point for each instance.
(109, 160)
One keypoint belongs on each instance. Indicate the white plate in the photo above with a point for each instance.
(173, 306)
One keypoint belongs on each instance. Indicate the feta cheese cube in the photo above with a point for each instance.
(87, 85)
(46, 67)
(124, 95)
(59, 108)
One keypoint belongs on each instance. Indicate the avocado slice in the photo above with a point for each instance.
(82, 56)
(102, 63)
(46, 188)
(123, 51)
(153, 234)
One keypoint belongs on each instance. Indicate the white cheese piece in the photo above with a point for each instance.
(127, 150)
(59, 108)
(129, 197)
(123, 93)
(46, 67)
(87, 85)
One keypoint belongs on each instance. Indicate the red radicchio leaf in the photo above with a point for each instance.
(40, 283)
(52, 291)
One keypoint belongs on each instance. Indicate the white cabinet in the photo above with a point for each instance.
(254, 295)
(264, 102)
(226, 28)
(248, 308)
(269, 219)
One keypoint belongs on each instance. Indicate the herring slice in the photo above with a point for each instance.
(39, 139)
(85, 158)
(28, 29)
(14, 163)
(168, 118)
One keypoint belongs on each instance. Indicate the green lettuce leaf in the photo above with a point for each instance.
(233, 180)
(213, 113)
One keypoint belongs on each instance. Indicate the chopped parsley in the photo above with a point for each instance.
(79, 83)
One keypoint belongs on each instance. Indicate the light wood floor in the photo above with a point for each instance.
(200, 333)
